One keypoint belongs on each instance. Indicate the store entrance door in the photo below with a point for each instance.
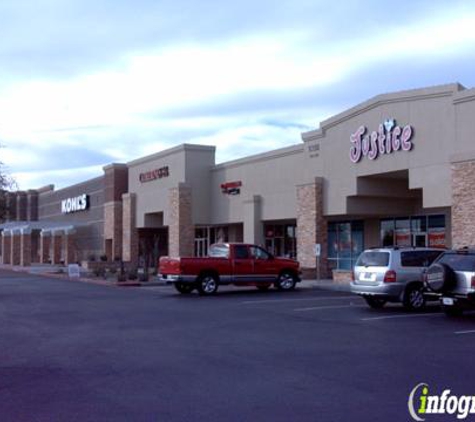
(419, 240)
(201, 247)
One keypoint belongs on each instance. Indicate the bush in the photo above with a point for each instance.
(132, 274)
(99, 272)
(121, 277)
(143, 276)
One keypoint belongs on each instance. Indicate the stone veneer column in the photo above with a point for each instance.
(15, 247)
(6, 247)
(181, 233)
(57, 240)
(311, 227)
(463, 204)
(69, 246)
(113, 227)
(130, 238)
(45, 246)
(25, 248)
(115, 185)
(253, 231)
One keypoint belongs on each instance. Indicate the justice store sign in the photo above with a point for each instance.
(387, 139)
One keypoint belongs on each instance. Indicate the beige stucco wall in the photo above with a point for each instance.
(272, 176)
(410, 182)
(430, 112)
(188, 164)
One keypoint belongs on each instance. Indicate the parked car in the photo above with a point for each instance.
(452, 278)
(393, 275)
(230, 263)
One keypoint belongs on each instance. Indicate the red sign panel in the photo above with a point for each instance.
(231, 188)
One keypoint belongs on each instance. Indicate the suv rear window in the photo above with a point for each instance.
(418, 258)
(458, 262)
(373, 259)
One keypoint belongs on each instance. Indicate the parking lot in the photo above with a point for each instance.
(74, 351)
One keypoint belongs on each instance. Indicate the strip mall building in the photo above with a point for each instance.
(398, 169)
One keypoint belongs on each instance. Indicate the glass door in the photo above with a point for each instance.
(419, 240)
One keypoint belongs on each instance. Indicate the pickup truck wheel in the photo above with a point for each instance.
(286, 281)
(414, 299)
(207, 285)
(184, 288)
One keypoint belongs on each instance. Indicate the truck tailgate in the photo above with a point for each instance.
(169, 265)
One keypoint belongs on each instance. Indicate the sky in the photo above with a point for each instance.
(84, 83)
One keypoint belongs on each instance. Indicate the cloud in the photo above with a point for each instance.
(86, 83)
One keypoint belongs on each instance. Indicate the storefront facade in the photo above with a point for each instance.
(398, 169)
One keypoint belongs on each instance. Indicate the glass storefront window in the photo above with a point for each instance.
(345, 244)
(387, 232)
(281, 239)
(206, 236)
(414, 231)
(436, 235)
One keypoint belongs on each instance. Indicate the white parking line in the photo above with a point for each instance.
(249, 302)
(318, 308)
(399, 316)
(465, 332)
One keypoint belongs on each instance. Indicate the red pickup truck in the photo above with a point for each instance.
(240, 264)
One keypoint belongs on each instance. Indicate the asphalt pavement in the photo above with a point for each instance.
(75, 351)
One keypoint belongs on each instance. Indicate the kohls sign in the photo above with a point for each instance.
(388, 138)
(78, 203)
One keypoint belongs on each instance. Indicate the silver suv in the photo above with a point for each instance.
(393, 275)
(452, 278)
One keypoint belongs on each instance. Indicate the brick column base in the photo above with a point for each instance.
(16, 249)
(130, 238)
(312, 228)
(57, 240)
(25, 248)
(6, 247)
(45, 245)
(463, 200)
(181, 232)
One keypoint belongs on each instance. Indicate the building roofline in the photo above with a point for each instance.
(263, 156)
(446, 90)
(76, 185)
(171, 151)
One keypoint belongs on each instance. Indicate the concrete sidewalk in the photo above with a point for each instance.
(62, 272)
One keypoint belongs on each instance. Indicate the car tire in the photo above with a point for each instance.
(414, 299)
(375, 302)
(452, 311)
(439, 278)
(184, 288)
(286, 281)
(207, 285)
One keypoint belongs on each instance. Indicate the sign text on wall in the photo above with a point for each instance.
(78, 203)
(388, 138)
(148, 176)
(231, 188)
